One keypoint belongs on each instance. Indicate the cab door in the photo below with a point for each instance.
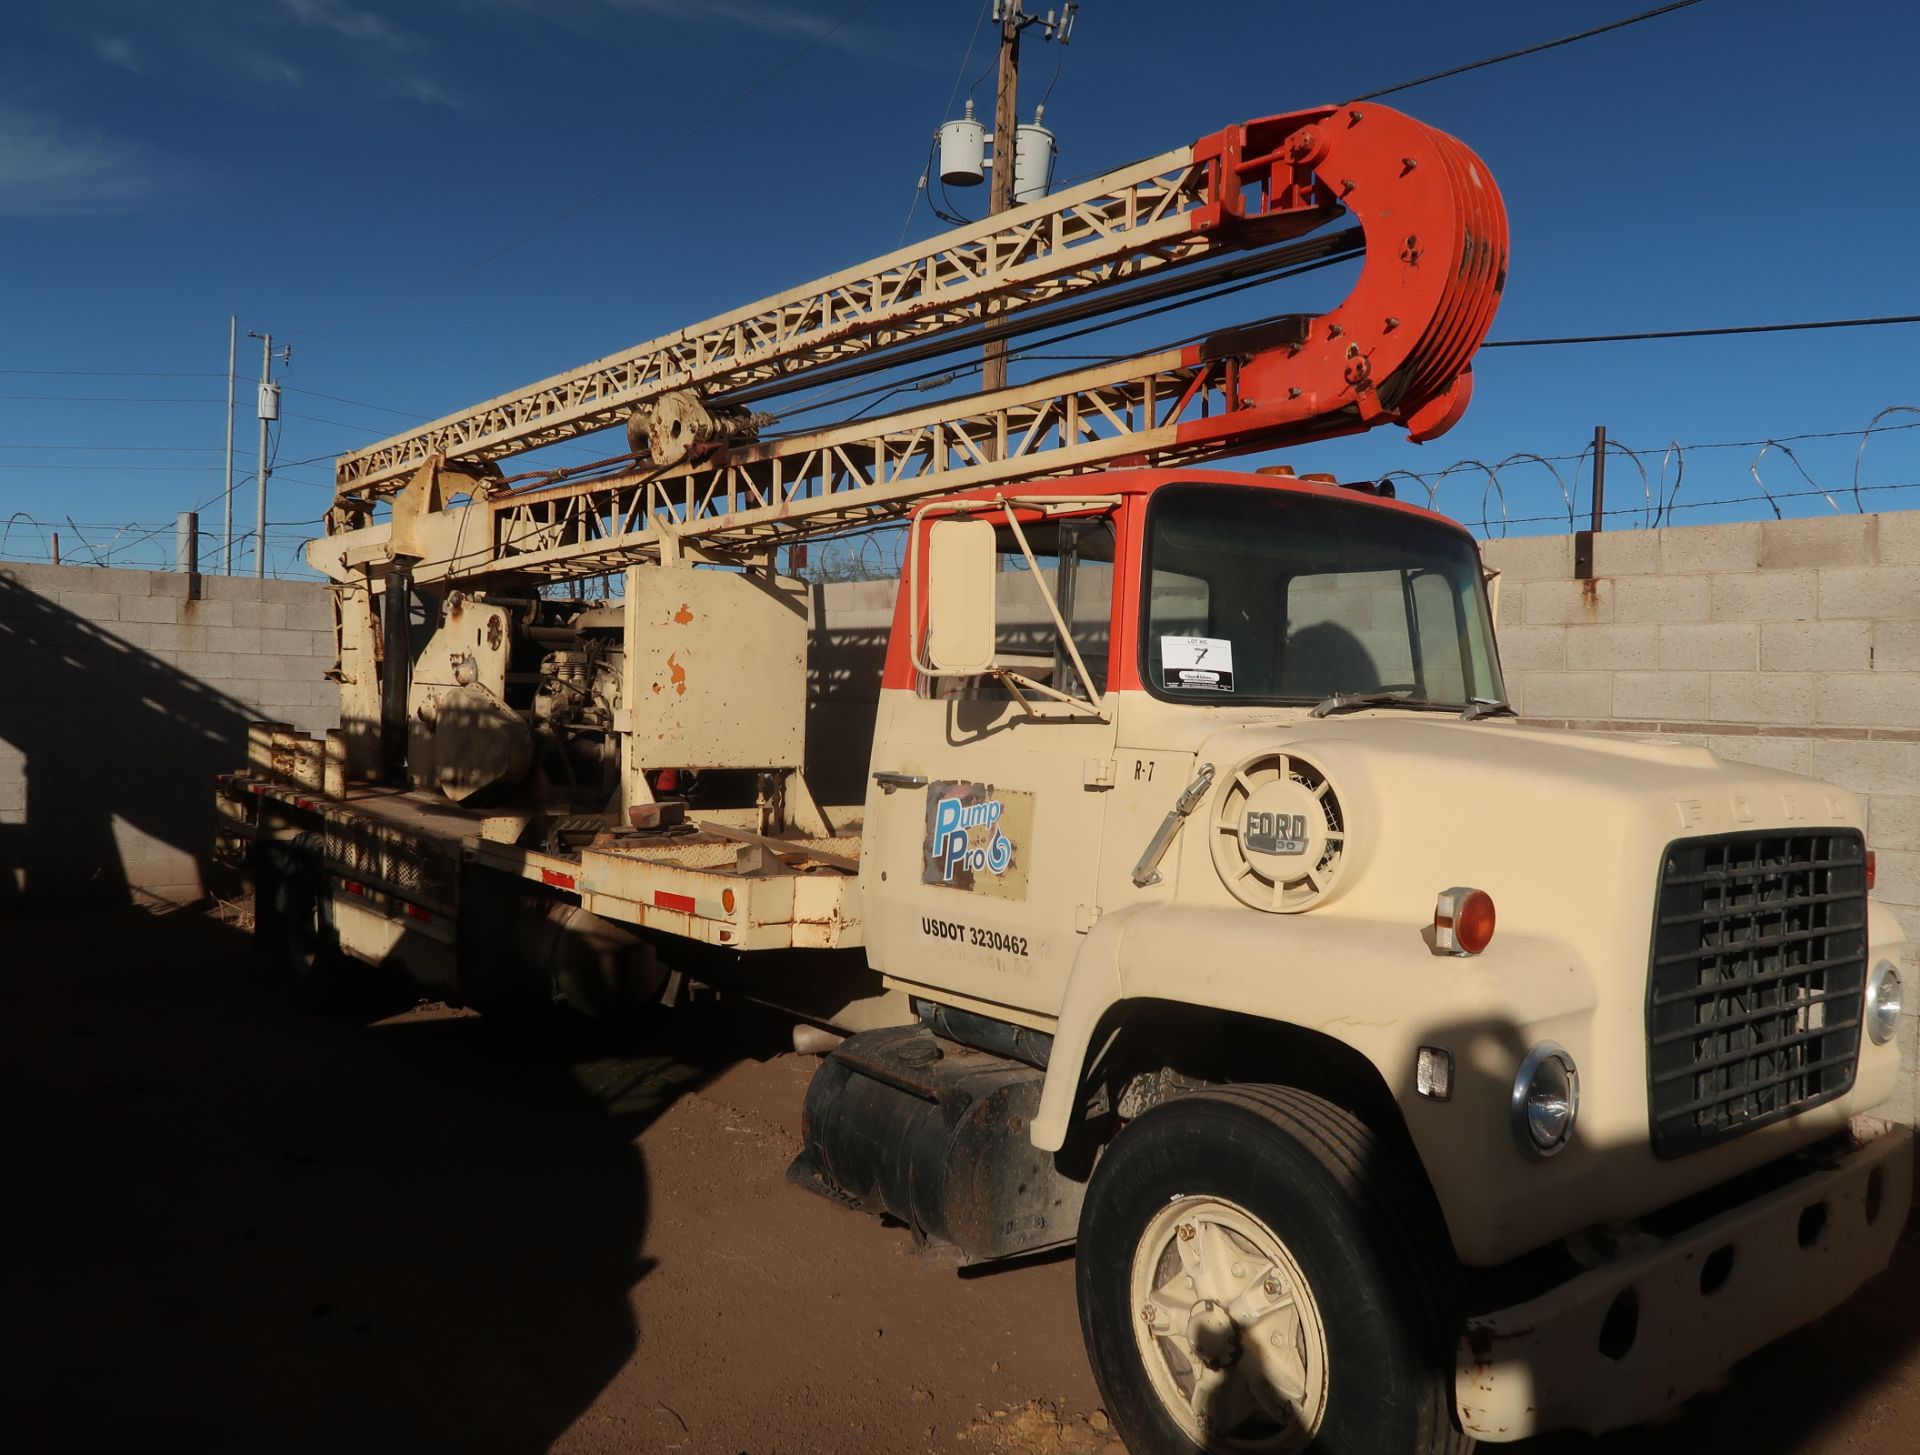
(984, 821)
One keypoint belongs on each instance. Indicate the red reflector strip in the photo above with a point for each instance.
(303, 803)
(415, 912)
(681, 902)
(353, 888)
(556, 878)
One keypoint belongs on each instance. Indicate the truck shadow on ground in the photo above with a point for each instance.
(237, 1227)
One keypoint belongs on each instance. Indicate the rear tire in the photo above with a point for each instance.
(1259, 1272)
(319, 975)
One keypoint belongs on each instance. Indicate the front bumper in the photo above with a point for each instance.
(1618, 1345)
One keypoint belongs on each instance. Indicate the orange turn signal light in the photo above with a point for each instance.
(1462, 921)
(1873, 870)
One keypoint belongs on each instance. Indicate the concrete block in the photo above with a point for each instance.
(1566, 603)
(1569, 694)
(1868, 767)
(242, 640)
(316, 615)
(136, 635)
(1661, 696)
(164, 639)
(1762, 696)
(90, 605)
(1529, 558)
(1896, 646)
(1872, 593)
(1899, 539)
(1523, 647)
(244, 689)
(1790, 755)
(1619, 553)
(279, 694)
(1899, 877)
(1607, 648)
(1832, 540)
(232, 588)
(1663, 598)
(1870, 699)
(207, 613)
(1893, 821)
(1720, 646)
(258, 613)
(1766, 596)
(269, 668)
(212, 666)
(169, 585)
(286, 643)
(149, 608)
(1710, 548)
(1814, 646)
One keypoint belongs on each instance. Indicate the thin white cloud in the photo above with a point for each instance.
(345, 21)
(49, 168)
(117, 50)
(425, 91)
(268, 69)
(766, 19)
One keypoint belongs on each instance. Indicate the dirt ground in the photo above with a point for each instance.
(232, 1226)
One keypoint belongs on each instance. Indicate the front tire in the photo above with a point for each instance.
(1259, 1272)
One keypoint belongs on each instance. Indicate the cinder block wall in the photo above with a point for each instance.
(121, 695)
(1794, 644)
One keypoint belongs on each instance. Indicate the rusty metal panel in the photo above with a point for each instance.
(716, 669)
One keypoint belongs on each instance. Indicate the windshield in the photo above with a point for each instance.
(1272, 596)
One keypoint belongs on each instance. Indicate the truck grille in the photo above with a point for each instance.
(1754, 996)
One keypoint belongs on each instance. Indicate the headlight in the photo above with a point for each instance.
(1883, 1003)
(1546, 1099)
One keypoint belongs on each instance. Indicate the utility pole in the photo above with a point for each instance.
(226, 530)
(1056, 26)
(1006, 116)
(269, 410)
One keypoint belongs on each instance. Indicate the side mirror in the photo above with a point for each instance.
(960, 597)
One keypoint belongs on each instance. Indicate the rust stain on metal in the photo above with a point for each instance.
(679, 675)
(683, 615)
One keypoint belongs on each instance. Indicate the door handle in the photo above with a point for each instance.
(1147, 872)
(890, 781)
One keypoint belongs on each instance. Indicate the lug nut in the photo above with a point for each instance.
(1186, 1232)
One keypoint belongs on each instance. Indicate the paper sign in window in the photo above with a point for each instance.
(1196, 664)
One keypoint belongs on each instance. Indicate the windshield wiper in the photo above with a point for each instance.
(1486, 707)
(1345, 701)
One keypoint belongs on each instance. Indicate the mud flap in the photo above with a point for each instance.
(936, 1135)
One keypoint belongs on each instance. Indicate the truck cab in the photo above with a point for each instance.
(1197, 779)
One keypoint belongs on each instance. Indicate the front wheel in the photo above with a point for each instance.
(1259, 1272)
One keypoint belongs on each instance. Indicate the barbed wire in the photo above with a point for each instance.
(1660, 492)
(1480, 494)
(149, 545)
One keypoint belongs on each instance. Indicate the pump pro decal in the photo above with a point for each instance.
(977, 839)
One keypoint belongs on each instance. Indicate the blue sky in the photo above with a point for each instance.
(437, 201)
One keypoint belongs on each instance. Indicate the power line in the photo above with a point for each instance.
(110, 374)
(107, 399)
(1745, 328)
(1545, 45)
(140, 449)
